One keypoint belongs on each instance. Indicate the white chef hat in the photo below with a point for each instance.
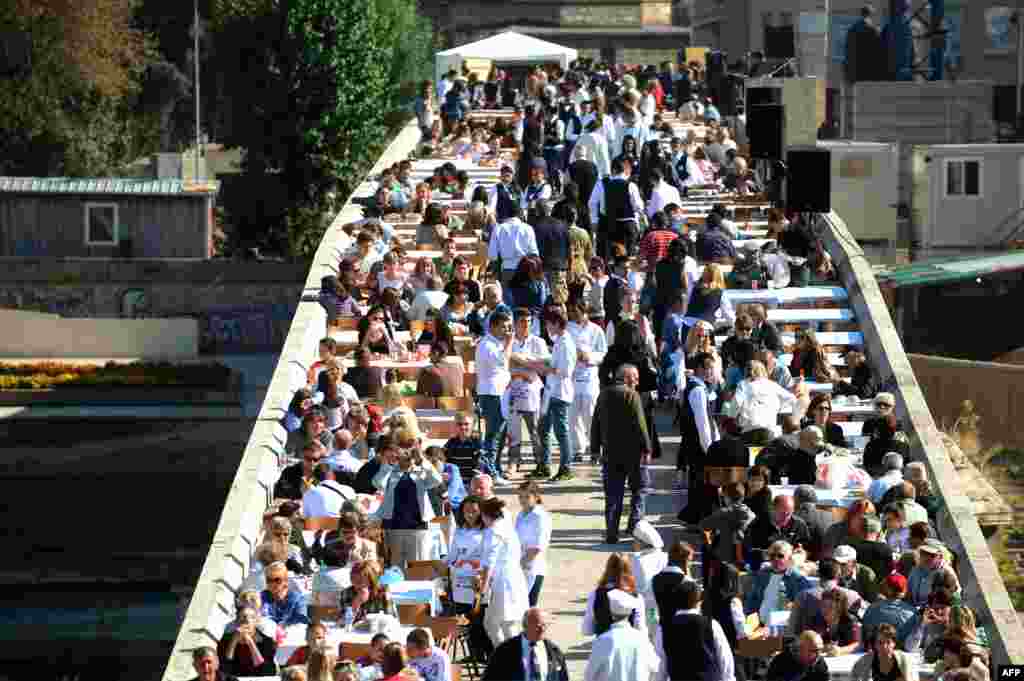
(645, 532)
(620, 603)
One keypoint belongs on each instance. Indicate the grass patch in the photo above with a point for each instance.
(48, 375)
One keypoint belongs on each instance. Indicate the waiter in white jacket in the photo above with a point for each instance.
(622, 653)
(591, 347)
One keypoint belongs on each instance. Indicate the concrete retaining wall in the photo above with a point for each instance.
(997, 391)
(983, 587)
(234, 541)
(28, 334)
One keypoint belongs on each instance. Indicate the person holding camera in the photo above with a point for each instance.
(406, 478)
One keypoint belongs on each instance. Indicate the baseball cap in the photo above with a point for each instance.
(844, 554)
(896, 582)
(508, 167)
(646, 533)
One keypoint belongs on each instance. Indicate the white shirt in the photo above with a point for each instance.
(501, 553)
(622, 654)
(597, 204)
(326, 499)
(770, 601)
(661, 195)
(425, 300)
(492, 375)
(695, 176)
(723, 651)
(647, 564)
(778, 270)
(512, 240)
(879, 486)
(540, 652)
(588, 338)
(563, 360)
(525, 393)
(760, 401)
(534, 530)
(343, 460)
(594, 147)
(531, 194)
(588, 615)
(443, 86)
(706, 427)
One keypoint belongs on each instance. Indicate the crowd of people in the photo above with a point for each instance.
(591, 301)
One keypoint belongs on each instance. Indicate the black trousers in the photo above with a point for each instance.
(616, 476)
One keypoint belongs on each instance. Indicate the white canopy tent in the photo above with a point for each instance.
(504, 48)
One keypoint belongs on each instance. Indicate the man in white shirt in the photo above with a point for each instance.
(622, 653)
(511, 241)
(591, 347)
(326, 499)
(615, 205)
(341, 459)
(662, 193)
(559, 396)
(592, 146)
(492, 377)
(892, 464)
(444, 85)
(698, 430)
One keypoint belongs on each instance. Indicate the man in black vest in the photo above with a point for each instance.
(583, 171)
(664, 585)
(505, 196)
(699, 431)
(695, 645)
(552, 242)
(616, 202)
(678, 162)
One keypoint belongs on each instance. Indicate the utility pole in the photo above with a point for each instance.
(199, 175)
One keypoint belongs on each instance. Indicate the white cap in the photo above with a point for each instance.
(844, 554)
(645, 532)
(620, 603)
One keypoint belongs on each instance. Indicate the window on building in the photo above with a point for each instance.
(963, 177)
(101, 224)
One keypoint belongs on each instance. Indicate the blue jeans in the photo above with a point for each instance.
(557, 417)
(615, 478)
(494, 434)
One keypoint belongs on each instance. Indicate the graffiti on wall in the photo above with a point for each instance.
(249, 328)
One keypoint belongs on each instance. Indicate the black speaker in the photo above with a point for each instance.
(766, 125)
(779, 42)
(809, 183)
(728, 94)
(763, 95)
(1004, 104)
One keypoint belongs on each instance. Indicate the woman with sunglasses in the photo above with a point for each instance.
(819, 413)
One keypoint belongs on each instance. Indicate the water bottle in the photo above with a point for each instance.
(350, 618)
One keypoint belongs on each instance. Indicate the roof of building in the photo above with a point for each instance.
(949, 270)
(106, 186)
(626, 31)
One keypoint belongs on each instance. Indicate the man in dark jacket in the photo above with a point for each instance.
(714, 245)
(802, 661)
(764, 333)
(728, 524)
(619, 427)
(295, 479)
(818, 521)
(781, 524)
(552, 242)
(512, 660)
(664, 584)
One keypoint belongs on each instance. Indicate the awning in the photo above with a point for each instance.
(951, 270)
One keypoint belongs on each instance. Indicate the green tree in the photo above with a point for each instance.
(310, 84)
(71, 111)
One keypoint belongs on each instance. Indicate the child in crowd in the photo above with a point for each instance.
(327, 348)
(432, 663)
(897, 534)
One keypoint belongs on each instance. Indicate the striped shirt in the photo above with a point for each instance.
(654, 245)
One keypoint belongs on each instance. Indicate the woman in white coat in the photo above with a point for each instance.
(502, 573)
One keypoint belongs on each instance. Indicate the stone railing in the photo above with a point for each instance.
(983, 588)
(234, 541)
